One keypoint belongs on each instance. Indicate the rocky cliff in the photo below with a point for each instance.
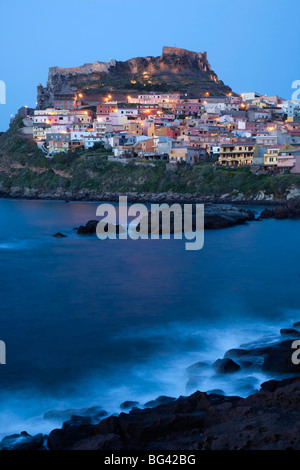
(176, 70)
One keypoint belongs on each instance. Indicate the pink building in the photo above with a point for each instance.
(289, 159)
(187, 108)
(296, 168)
(104, 109)
(67, 101)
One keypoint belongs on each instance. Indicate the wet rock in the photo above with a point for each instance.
(297, 324)
(22, 441)
(76, 421)
(281, 212)
(126, 405)
(215, 391)
(275, 357)
(236, 353)
(226, 366)
(94, 412)
(216, 216)
(91, 228)
(266, 420)
(290, 332)
(82, 230)
(272, 385)
(253, 364)
(76, 429)
(290, 209)
(251, 214)
(162, 400)
(267, 214)
(59, 235)
(278, 358)
(293, 206)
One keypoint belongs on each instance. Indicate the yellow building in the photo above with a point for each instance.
(162, 131)
(151, 130)
(260, 104)
(271, 156)
(134, 128)
(39, 131)
(237, 154)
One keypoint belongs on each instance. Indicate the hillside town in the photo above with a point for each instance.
(262, 132)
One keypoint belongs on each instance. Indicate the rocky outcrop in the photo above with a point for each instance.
(22, 441)
(90, 228)
(226, 366)
(172, 68)
(268, 419)
(95, 413)
(18, 192)
(59, 235)
(224, 215)
(216, 216)
(290, 210)
(274, 358)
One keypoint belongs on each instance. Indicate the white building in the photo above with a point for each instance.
(291, 107)
(89, 138)
(214, 108)
(250, 96)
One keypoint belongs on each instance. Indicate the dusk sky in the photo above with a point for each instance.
(252, 46)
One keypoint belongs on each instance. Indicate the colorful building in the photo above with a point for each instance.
(237, 154)
(271, 155)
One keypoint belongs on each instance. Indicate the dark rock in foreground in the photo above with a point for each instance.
(226, 366)
(266, 420)
(94, 412)
(23, 441)
(73, 430)
(276, 357)
(162, 400)
(126, 405)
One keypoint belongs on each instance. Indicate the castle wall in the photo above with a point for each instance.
(83, 69)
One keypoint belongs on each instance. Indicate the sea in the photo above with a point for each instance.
(89, 322)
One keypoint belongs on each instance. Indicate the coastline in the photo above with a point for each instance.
(170, 197)
(208, 420)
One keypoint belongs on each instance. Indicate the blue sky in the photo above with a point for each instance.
(252, 46)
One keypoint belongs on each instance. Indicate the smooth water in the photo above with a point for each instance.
(89, 322)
